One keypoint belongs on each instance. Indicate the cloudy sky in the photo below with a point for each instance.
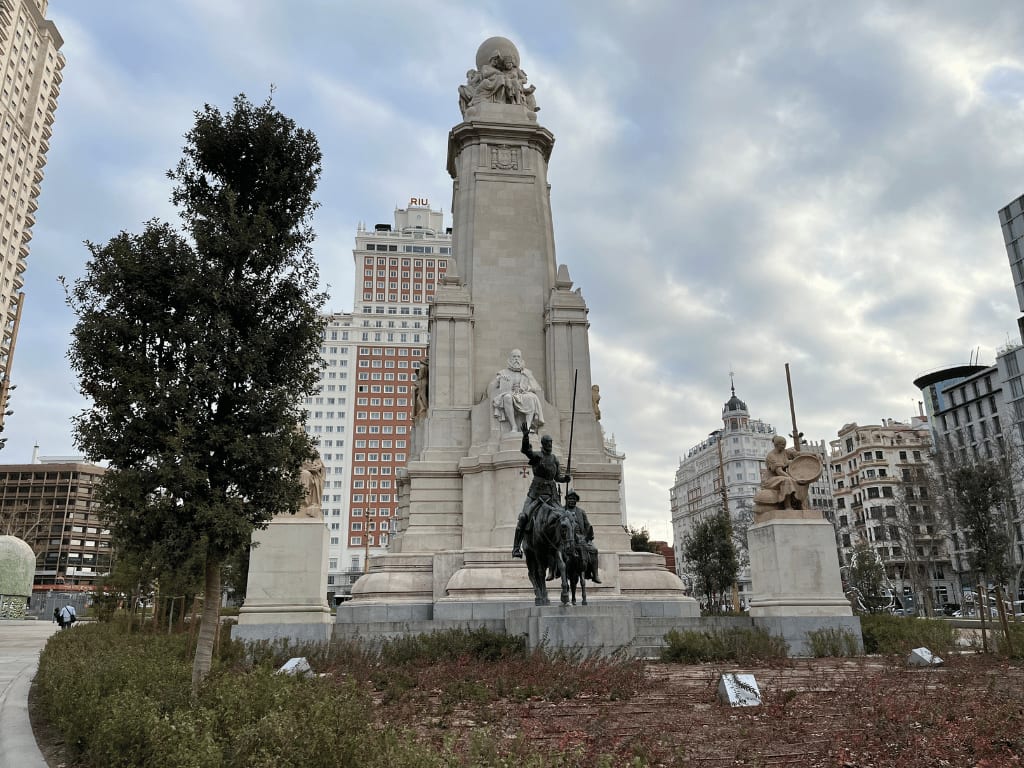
(734, 185)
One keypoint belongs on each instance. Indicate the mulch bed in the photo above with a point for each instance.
(860, 713)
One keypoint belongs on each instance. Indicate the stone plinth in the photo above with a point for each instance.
(797, 588)
(594, 629)
(286, 594)
(795, 570)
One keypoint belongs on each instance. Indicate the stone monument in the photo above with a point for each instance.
(17, 571)
(794, 567)
(504, 302)
(286, 593)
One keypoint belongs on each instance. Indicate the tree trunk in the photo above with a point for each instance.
(208, 624)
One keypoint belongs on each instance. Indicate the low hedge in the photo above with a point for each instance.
(122, 700)
(885, 634)
(738, 644)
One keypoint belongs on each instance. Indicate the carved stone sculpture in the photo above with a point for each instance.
(595, 399)
(311, 475)
(516, 396)
(420, 396)
(786, 480)
(497, 78)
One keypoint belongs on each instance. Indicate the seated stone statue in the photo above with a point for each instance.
(497, 79)
(516, 396)
(779, 487)
(468, 91)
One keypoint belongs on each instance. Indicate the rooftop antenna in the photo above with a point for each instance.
(732, 381)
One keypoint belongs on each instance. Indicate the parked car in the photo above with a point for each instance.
(950, 609)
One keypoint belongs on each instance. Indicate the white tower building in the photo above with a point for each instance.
(723, 470)
(31, 64)
(362, 415)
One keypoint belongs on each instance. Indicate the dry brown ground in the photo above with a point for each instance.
(866, 713)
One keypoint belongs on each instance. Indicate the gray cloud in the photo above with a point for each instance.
(734, 186)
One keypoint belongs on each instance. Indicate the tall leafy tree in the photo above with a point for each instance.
(196, 349)
(709, 552)
(640, 541)
(866, 582)
(980, 494)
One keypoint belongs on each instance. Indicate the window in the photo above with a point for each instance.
(1011, 365)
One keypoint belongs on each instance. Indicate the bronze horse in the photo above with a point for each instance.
(543, 548)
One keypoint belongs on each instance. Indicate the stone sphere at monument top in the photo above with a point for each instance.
(502, 45)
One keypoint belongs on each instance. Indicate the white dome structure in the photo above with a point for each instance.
(17, 569)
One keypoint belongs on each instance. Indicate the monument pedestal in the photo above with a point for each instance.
(796, 583)
(286, 594)
(602, 628)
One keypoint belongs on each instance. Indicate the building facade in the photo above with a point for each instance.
(362, 415)
(1011, 220)
(327, 419)
(49, 504)
(31, 64)
(983, 421)
(885, 495)
(725, 470)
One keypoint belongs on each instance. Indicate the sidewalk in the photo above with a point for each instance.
(20, 644)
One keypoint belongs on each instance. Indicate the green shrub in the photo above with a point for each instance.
(833, 641)
(897, 635)
(83, 670)
(121, 698)
(481, 644)
(104, 606)
(739, 644)
(1015, 649)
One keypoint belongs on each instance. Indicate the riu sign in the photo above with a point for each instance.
(418, 201)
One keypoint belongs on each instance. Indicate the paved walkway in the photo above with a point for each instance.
(20, 644)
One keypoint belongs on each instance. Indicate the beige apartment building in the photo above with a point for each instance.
(31, 64)
(884, 496)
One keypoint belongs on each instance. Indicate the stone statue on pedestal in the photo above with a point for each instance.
(515, 396)
(311, 475)
(787, 478)
(420, 397)
(497, 78)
